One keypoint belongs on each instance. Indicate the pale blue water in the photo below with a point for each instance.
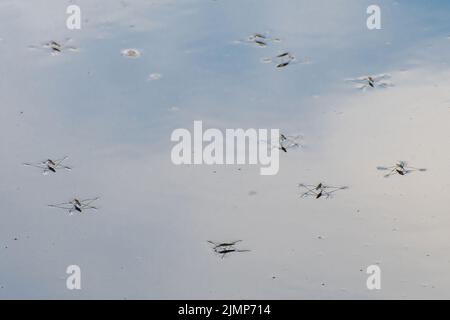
(148, 240)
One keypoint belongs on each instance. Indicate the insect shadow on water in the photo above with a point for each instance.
(371, 82)
(76, 205)
(318, 191)
(225, 248)
(49, 165)
(401, 168)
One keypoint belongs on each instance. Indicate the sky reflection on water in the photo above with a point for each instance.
(149, 238)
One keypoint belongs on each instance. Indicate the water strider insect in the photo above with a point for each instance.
(284, 59)
(376, 81)
(289, 141)
(320, 190)
(259, 39)
(56, 47)
(224, 248)
(76, 205)
(286, 142)
(49, 165)
(217, 245)
(400, 168)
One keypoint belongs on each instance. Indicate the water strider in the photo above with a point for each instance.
(367, 82)
(49, 165)
(401, 168)
(320, 190)
(225, 248)
(76, 205)
(56, 47)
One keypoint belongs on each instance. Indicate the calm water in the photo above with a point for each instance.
(114, 115)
